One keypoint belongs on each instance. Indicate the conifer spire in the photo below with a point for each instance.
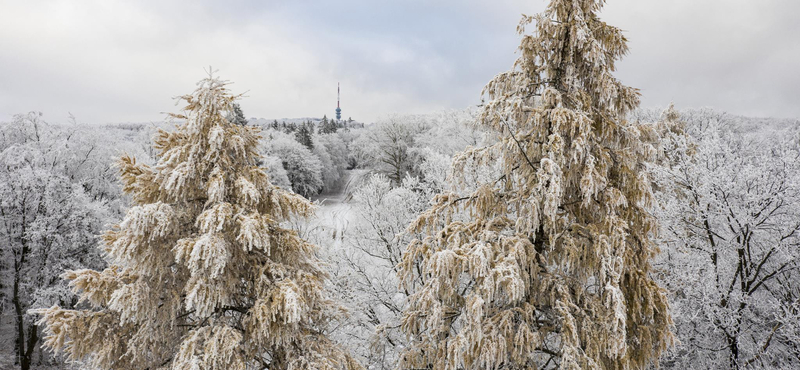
(202, 273)
(549, 266)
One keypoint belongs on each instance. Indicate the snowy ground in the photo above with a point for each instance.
(335, 212)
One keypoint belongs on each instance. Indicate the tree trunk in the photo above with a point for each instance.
(33, 339)
(23, 353)
(733, 344)
(23, 356)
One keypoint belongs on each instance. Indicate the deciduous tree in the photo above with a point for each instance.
(549, 266)
(53, 201)
(202, 273)
(730, 219)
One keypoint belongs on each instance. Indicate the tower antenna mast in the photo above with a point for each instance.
(338, 109)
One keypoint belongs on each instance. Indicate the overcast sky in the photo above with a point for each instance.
(123, 61)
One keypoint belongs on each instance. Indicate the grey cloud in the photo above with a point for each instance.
(112, 61)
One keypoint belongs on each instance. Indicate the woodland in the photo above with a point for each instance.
(558, 225)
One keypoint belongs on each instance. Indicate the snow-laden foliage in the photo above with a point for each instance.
(277, 174)
(303, 168)
(385, 146)
(744, 127)
(304, 134)
(374, 238)
(237, 116)
(451, 131)
(365, 268)
(54, 199)
(551, 268)
(400, 145)
(730, 211)
(202, 274)
(332, 153)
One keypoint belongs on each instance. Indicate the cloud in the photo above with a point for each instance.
(117, 61)
(736, 55)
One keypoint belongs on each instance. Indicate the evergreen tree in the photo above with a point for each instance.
(236, 116)
(323, 125)
(549, 266)
(202, 274)
(304, 133)
(327, 126)
(275, 124)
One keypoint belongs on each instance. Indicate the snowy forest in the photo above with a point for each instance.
(557, 225)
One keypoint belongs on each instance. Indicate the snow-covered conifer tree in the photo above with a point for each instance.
(202, 274)
(305, 133)
(549, 266)
(237, 116)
